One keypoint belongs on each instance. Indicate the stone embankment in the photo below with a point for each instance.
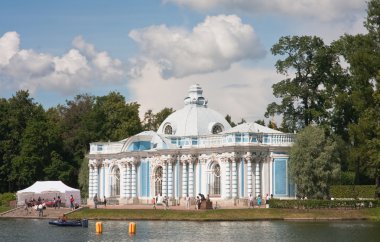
(21, 212)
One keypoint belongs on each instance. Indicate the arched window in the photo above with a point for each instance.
(115, 182)
(168, 129)
(214, 180)
(217, 129)
(158, 181)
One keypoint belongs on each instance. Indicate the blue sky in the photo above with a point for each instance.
(151, 51)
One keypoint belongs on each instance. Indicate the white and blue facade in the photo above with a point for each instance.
(194, 151)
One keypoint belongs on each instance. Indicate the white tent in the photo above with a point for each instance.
(47, 190)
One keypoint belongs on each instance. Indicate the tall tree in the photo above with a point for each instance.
(310, 67)
(314, 163)
(118, 118)
(153, 121)
(362, 52)
(16, 113)
(149, 120)
(28, 164)
(161, 116)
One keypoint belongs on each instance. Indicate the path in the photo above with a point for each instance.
(20, 212)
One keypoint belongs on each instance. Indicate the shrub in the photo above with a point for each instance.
(322, 204)
(5, 198)
(351, 191)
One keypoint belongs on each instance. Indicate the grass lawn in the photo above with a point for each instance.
(225, 215)
(3, 209)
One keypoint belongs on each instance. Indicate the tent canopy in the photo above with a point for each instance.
(48, 190)
(48, 186)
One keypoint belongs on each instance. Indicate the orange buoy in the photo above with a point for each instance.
(132, 228)
(99, 227)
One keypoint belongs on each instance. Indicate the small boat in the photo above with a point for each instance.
(70, 223)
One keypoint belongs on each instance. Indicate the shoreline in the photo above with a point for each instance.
(218, 215)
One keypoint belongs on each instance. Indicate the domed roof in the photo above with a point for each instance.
(195, 118)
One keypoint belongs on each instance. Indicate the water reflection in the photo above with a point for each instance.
(39, 230)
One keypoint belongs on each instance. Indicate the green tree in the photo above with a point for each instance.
(357, 104)
(117, 119)
(153, 121)
(161, 116)
(16, 113)
(260, 121)
(242, 121)
(310, 67)
(149, 120)
(83, 178)
(229, 120)
(314, 163)
(28, 164)
(79, 126)
(58, 169)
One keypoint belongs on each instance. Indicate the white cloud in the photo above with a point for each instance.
(212, 45)
(242, 92)
(324, 10)
(79, 68)
(8, 47)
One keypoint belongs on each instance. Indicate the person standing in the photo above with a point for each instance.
(250, 200)
(96, 200)
(72, 202)
(59, 202)
(187, 199)
(105, 201)
(154, 200)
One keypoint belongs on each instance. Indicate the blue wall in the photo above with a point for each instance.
(139, 145)
(280, 177)
(144, 178)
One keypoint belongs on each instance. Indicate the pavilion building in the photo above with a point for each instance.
(195, 150)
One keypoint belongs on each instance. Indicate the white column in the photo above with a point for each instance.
(90, 182)
(101, 181)
(95, 181)
(164, 179)
(228, 178)
(249, 175)
(176, 179)
(184, 180)
(134, 187)
(107, 181)
(234, 179)
(270, 176)
(191, 179)
(128, 182)
(123, 181)
(170, 179)
(258, 178)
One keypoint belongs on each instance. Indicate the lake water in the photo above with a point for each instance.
(40, 230)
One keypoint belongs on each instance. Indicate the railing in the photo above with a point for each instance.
(237, 139)
(233, 139)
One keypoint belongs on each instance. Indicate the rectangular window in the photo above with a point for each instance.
(237, 138)
(174, 141)
(245, 138)
(99, 148)
(194, 141)
(266, 139)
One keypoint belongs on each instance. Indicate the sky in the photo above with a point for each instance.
(152, 51)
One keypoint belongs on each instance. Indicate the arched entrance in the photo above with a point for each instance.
(115, 181)
(214, 180)
(158, 181)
